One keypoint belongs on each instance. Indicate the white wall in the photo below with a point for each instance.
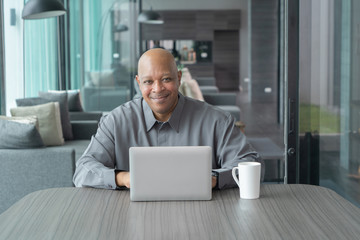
(13, 41)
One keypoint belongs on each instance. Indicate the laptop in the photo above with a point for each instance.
(170, 173)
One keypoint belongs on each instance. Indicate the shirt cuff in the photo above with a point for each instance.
(109, 179)
(225, 179)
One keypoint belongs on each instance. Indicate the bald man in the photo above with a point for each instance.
(162, 117)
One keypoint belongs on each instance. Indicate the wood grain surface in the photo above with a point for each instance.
(281, 212)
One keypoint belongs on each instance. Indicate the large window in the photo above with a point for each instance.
(329, 93)
(102, 51)
(97, 43)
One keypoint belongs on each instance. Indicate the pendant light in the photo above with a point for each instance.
(37, 9)
(150, 17)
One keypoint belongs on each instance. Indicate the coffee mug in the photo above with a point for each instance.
(249, 179)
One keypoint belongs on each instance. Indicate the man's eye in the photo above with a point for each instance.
(166, 79)
(147, 82)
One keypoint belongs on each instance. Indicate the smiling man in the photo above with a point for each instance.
(162, 117)
(159, 81)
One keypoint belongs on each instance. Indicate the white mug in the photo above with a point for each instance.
(249, 179)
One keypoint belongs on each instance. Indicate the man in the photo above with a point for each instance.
(162, 117)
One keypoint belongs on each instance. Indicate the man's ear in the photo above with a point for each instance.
(137, 79)
(179, 73)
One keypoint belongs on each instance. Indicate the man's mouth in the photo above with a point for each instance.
(159, 98)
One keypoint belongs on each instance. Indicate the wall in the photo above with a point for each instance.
(221, 27)
(241, 5)
(264, 50)
(13, 41)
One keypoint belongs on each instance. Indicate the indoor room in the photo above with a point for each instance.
(74, 75)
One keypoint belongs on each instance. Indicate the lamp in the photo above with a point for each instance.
(150, 17)
(37, 9)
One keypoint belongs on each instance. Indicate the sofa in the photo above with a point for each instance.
(104, 98)
(105, 90)
(40, 143)
(27, 170)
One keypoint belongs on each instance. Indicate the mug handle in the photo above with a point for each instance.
(234, 175)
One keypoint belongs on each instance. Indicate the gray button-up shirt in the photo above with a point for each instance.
(192, 123)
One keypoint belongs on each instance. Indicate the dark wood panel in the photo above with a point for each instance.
(191, 24)
(226, 59)
(264, 49)
(201, 70)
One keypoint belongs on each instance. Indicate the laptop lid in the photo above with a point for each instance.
(170, 173)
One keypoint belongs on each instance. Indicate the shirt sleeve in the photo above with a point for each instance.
(232, 148)
(96, 167)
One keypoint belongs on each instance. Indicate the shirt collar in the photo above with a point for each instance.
(174, 120)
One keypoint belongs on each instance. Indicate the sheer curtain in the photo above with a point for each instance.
(40, 56)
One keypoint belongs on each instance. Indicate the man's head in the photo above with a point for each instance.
(159, 81)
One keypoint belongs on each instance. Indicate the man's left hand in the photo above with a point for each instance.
(213, 181)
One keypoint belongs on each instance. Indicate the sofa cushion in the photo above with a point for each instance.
(48, 115)
(74, 101)
(190, 88)
(186, 75)
(25, 102)
(195, 90)
(19, 132)
(62, 98)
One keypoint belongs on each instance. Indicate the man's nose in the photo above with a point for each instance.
(158, 86)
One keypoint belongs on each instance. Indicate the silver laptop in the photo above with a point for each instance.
(170, 173)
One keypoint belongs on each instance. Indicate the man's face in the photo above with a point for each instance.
(159, 82)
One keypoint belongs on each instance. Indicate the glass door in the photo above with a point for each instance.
(329, 95)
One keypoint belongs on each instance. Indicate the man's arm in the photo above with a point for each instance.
(232, 148)
(96, 167)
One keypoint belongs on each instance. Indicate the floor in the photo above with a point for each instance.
(260, 120)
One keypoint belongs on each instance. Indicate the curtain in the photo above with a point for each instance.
(40, 56)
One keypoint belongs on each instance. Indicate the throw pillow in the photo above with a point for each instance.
(26, 120)
(195, 90)
(25, 102)
(17, 133)
(61, 97)
(186, 76)
(48, 115)
(74, 101)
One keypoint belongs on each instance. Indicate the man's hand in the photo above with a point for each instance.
(122, 179)
(213, 181)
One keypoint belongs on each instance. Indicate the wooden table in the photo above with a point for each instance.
(282, 212)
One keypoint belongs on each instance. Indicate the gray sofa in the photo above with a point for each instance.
(104, 98)
(27, 170)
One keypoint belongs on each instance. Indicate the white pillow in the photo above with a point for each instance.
(48, 116)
